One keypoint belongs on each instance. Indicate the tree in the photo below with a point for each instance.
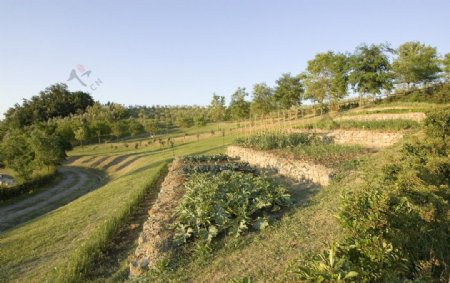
(416, 63)
(100, 128)
(17, 153)
(54, 101)
(446, 66)
(370, 70)
(48, 148)
(217, 108)
(134, 127)
(289, 91)
(239, 107)
(118, 129)
(327, 77)
(151, 126)
(82, 134)
(200, 120)
(263, 101)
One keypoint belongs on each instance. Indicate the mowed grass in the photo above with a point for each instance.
(60, 245)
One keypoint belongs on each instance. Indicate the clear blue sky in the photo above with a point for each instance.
(180, 52)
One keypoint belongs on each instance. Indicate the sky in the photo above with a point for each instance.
(171, 52)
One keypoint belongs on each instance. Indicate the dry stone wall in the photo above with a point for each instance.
(155, 241)
(415, 116)
(295, 169)
(364, 138)
(368, 139)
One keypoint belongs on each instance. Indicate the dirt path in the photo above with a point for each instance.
(75, 182)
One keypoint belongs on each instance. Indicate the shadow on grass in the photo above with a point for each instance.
(51, 199)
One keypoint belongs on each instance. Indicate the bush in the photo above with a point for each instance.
(227, 202)
(396, 226)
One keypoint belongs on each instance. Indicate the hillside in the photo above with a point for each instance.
(74, 236)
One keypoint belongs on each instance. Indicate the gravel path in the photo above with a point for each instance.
(75, 182)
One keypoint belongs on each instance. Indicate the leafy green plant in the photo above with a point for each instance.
(227, 202)
(329, 266)
(206, 158)
(267, 141)
(219, 167)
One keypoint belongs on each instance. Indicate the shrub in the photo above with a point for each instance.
(396, 226)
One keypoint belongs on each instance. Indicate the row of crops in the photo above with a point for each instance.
(225, 198)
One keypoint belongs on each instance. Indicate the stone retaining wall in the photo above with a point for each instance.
(296, 169)
(155, 241)
(415, 116)
(364, 138)
(370, 139)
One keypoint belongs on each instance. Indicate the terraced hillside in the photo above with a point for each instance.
(65, 243)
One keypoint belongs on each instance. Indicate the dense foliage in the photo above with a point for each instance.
(267, 141)
(396, 226)
(30, 149)
(54, 101)
(227, 202)
(206, 158)
(219, 167)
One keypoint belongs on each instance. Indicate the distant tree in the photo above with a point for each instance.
(217, 108)
(184, 121)
(370, 70)
(17, 153)
(262, 101)
(151, 126)
(134, 127)
(446, 66)
(200, 120)
(117, 111)
(327, 77)
(82, 134)
(289, 91)
(239, 107)
(100, 128)
(416, 63)
(118, 128)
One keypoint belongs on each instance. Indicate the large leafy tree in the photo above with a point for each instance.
(17, 153)
(263, 101)
(54, 101)
(47, 146)
(326, 78)
(217, 108)
(416, 63)
(370, 70)
(289, 91)
(239, 107)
